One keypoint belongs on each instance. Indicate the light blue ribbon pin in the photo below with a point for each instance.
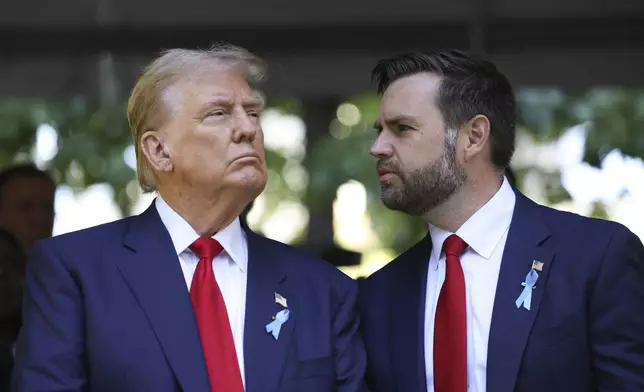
(275, 326)
(526, 295)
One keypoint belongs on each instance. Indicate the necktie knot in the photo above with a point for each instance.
(206, 247)
(454, 245)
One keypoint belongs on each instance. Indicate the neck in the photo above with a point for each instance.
(207, 214)
(460, 207)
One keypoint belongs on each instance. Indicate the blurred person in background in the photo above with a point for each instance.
(27, 203)
(26, 215)
(12, 260)
(502, 294)
(183, 297)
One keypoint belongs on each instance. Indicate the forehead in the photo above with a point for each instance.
(410, 95)
(212, 84)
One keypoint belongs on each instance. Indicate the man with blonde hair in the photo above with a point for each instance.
(183, 297)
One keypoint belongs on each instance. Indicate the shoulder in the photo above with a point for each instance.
(580, 231)
(306, 267)
(582, 245)
(89, 240)
(410, 263)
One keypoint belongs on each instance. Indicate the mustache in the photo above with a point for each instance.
(388, 166)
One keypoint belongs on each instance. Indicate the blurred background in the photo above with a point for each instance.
(577, 66)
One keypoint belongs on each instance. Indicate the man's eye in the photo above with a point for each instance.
(403, 127)
(216, 113)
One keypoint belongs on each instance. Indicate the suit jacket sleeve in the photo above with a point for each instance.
(350, 358)
(50, 352)
(617, 316)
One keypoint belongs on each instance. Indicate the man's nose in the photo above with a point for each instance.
(246, 127)
(381, 148)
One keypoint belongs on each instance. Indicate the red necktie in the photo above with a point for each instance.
(212, 320)
(450, 328)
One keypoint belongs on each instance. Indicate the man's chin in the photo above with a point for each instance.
(397, 202)
(254, 186)
(392, 198)
(394, 206)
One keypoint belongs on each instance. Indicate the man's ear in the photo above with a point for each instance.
(156, 150)
(476, 133)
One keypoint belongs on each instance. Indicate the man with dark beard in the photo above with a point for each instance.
(502, 294)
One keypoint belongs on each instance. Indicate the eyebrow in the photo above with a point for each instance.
(401, 118)
(219, 100)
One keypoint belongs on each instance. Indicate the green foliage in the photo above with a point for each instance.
(599, 211)
(546, 113)
(93, 137)
(286, 105)
(335, 162)
(19, 120)
(277, 188)
(91, 141)
(614, 118)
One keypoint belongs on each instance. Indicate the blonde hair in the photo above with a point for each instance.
(146, 107)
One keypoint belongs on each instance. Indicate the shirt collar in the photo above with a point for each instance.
(232, 238)
(483, 230)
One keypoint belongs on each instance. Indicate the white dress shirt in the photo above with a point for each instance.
(230, 267)
(485, 232)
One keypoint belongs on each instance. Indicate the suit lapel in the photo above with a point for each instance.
(151, 268)
(510, 326)
(407, 310)
(264, 356)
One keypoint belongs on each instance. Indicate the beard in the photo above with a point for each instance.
(424, 189)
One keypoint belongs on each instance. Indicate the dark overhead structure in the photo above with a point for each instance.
(320, 48)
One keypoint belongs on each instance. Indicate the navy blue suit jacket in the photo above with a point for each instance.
(107, 309)
(585, 329)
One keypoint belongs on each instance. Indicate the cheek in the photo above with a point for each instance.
(417, 153)
(431, 143)
(199, 148)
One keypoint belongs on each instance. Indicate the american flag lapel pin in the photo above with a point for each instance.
(537, 266)
(280, 300)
